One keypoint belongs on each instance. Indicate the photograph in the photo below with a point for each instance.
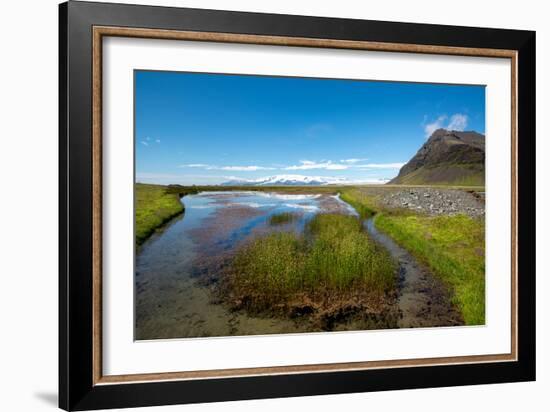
(281, 205)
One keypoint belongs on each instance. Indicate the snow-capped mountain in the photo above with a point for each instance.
(286, 180)
(293, 180)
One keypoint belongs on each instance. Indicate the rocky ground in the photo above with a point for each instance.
(435, 201)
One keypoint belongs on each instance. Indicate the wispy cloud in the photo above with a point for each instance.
(437, 124)
(251, 168)
(344, 164)
(198, 165)
(148, 140)
(245, 168)
(457, 121)
(353, 160)
(309, 165)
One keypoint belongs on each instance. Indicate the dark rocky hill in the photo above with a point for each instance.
(448, 157)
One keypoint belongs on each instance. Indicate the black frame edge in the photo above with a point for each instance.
(526, 108)
(63, 390)
(76, 389)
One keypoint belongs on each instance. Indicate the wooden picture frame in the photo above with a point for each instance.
(82, 385)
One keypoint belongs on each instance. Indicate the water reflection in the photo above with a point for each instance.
(169, 301)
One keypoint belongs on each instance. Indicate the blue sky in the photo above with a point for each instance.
(193, 128)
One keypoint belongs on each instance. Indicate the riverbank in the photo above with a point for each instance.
(451, 245)
(155, 206)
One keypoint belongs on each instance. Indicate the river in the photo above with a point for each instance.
(169, 300)
(172, 301)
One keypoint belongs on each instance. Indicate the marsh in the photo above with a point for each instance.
(172, 300)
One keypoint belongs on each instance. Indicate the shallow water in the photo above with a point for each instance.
(170, 303)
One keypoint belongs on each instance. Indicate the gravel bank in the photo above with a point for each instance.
(433, 201)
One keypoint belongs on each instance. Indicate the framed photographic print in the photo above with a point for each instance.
(257, 205)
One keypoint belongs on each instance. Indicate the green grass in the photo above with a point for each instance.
(454, 249)
(329, 189)
(361, 202)
(450, 174)
(282, 218)
(333, 258)
(155, 205)
(281, 189)
(477, 179)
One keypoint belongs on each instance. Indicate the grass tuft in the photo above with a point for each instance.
(334, 258)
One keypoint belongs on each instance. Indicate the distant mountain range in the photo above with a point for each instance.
(448, 157)
(293, 180)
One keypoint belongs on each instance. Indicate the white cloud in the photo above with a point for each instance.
(457, 121)
(309, 165)
(144, 143)
(252, 168)
(346, 164)
(244, 168)
(437, 124)
(353, 160)
(157, 140)
(201, 165)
